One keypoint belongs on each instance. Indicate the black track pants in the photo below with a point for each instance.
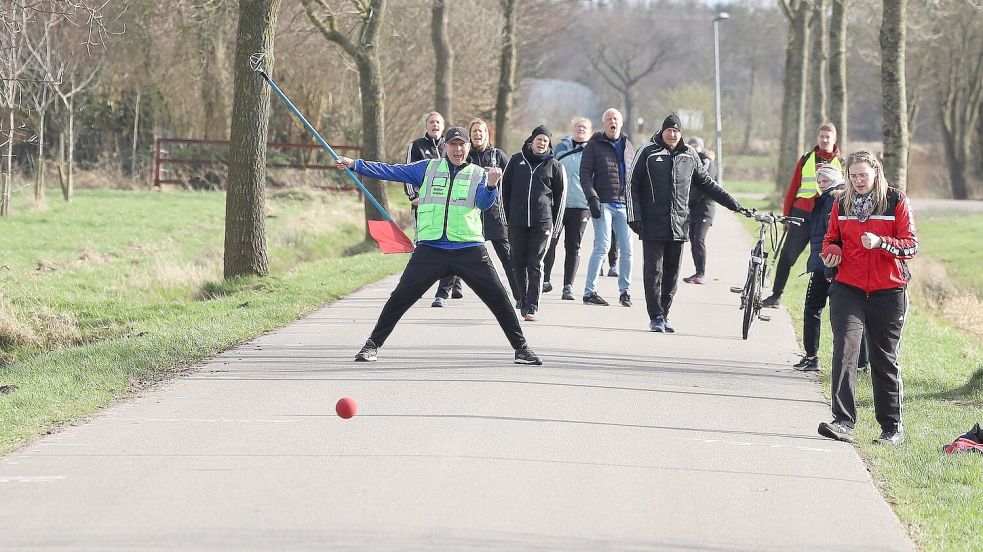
(883, 315)
(429, 264)
(816, 295)
(574, 225)
(796, 240)
(528, 250)
(660, 273)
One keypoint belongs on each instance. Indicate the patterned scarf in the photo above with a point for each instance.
(863, 207)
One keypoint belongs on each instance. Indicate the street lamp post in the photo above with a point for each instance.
(716, 59)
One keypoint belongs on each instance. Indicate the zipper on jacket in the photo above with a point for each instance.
(447, 203)
(532, 171)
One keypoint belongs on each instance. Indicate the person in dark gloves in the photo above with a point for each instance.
(575, 213)
(701, 209)
(534, 193)
(452, 194)
(431, 146)
(832, 187)
(493, 224)
(658, 197)
(799, 201)
(874, 227)
(603, 170)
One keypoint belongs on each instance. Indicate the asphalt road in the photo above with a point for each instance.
(622, 440)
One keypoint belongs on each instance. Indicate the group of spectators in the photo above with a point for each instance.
(465, 191)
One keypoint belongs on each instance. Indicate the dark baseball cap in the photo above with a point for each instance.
(456, 133)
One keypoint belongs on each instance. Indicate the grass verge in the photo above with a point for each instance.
(937, 496)
(136, 298)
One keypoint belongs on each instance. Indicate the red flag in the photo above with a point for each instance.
(389, 237)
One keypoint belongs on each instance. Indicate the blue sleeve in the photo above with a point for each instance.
(411, 173)
(485, 196)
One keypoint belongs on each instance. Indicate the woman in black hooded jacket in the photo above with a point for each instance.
(533, 194)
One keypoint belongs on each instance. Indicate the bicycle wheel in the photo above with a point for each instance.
(753, 302)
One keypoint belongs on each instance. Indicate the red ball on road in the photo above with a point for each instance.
(833, 249)
(346, 407)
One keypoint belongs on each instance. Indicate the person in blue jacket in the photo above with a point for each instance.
(452, 194)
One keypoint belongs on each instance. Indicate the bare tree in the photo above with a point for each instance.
(818, 61)
(245, 201)
(895, 110)
(42, 95)
(507, 74)
(837, 69)
(960, 94)
(623, 67)
(444, 54)
(793, 100)
(13, 65)
(361, 43)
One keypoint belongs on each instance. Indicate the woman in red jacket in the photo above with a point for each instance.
(874, 227)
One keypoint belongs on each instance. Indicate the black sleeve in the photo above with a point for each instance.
(559, 189)
(506, 185)
(587, 171)
(636, 178)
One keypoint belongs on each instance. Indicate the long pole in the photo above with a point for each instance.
(716, 74)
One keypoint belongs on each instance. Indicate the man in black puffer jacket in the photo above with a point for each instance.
(534, 188)
(658, 211)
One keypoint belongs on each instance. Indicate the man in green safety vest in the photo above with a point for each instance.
(799, 201)
(452, 194)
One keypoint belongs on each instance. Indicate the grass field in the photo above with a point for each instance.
(122, 287)
(937, 496)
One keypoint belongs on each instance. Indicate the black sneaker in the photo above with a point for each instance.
(439, 302)
(773, 301)
(807, 364)
(547, 287)
(368, 352)
(612, 272)
(669, 329)
(526, 356)
(890, 438)
(594, 299)
(625, 299)
(658, 325)
(836, 430)
(456, 294)
(568, 294)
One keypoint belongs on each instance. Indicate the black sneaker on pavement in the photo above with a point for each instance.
(612, 272)
(547, 287)
(594, 299)
(456, 294)
(625, 299)
(368, 353)
(568, 294)
(439, 302)
(890, 438)
(669, 329)
(807, 364)
(772, 301)
(526, 356)
(836, 430)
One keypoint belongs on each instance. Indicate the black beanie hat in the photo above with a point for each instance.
(672, 121)
(541, 129)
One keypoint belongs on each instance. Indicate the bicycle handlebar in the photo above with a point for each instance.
(770, 218)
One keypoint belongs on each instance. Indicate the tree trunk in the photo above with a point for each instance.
(245, 230)
(506, 80)
(630, 125)
(793, 99)
(136, 136)
(749, 121)
(444, 68)
(958, 174)
(817, 61)
(895, 108)
(39, 176)
(214, 83)
(837, 70)
(69, 189)
(373, 127)
(8, 167)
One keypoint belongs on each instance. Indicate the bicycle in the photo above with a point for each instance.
(758, 268)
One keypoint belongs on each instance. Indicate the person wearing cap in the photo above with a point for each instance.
(832, 187)
(659, 186)
(799, 201)
(452, 194)
(603, 170)
(701, 209)
(534, 191)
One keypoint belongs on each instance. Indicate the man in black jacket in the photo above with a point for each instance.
(658, 197)
(603, 170)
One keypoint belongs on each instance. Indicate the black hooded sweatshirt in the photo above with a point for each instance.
(534, 188)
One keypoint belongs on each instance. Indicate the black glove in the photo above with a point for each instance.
(745, 211)
(595, 207)
(636, 227)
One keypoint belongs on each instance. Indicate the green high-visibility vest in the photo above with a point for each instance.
(808, 184)
(449, 205)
